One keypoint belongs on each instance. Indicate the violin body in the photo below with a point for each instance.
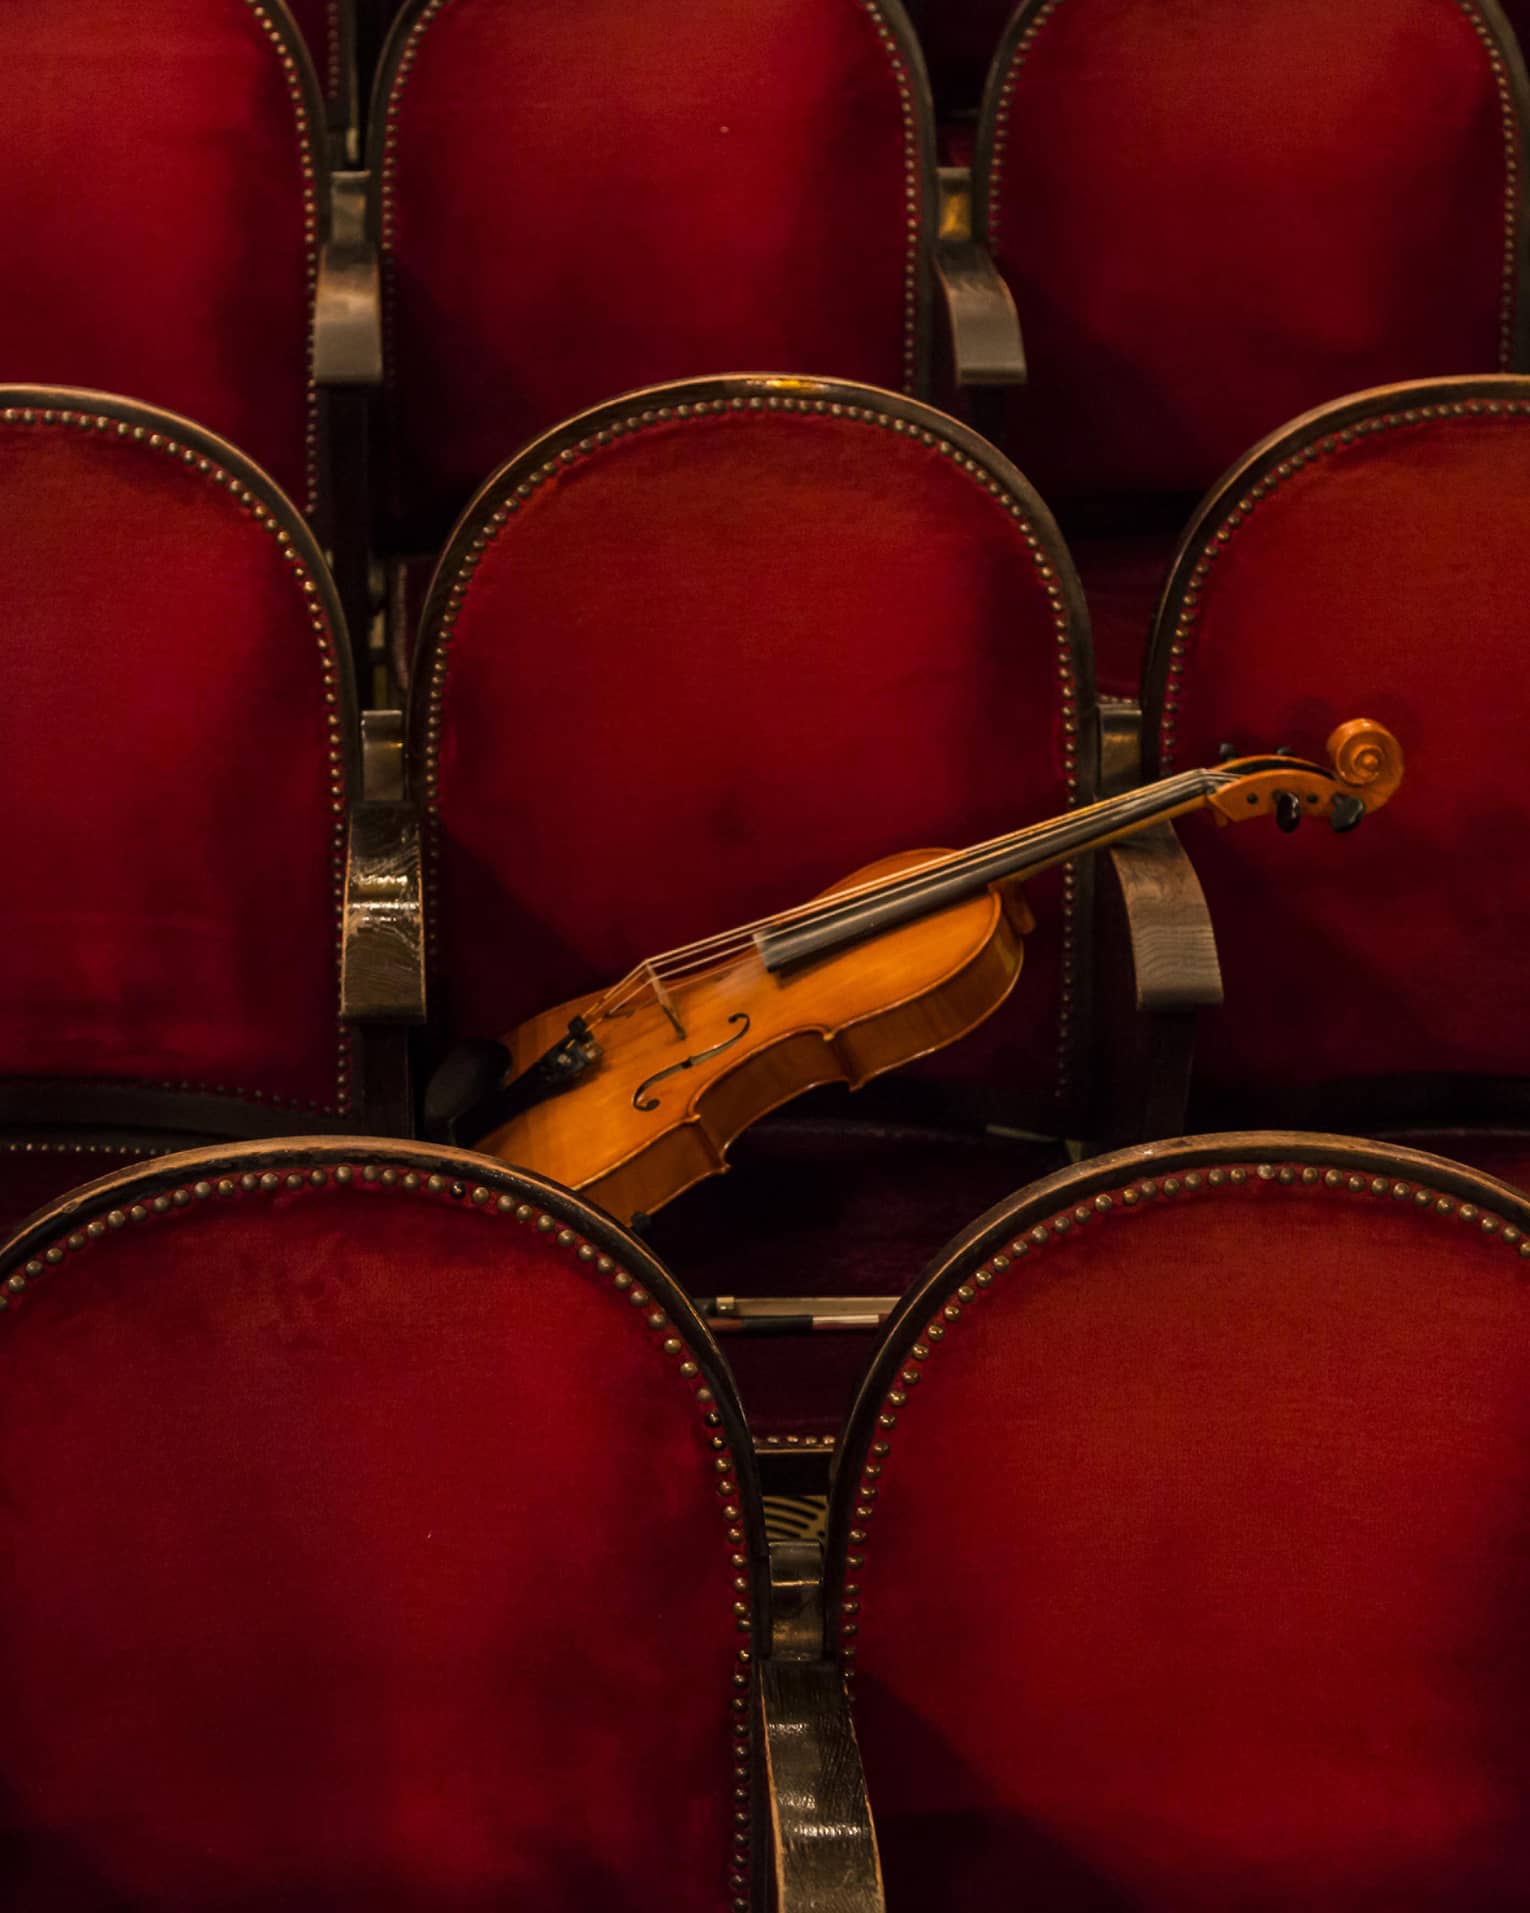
(684, 1070)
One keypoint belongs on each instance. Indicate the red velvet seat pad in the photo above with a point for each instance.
(1195, 1571)
(835, 1208)
(361, 1549)
(1214, 218)
(716, 665)
(582, 200)
(172, 778)
(1387, 578)
(155, 230)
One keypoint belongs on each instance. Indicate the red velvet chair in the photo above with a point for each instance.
(636, 194)
(1178, 1542)
(1371, 558)
(696, 655)
(329, 29)
(195, 928)
(1216, 217)
(164, 195)
(380, 1532)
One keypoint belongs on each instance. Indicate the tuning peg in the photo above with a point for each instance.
(1346, 811)
(1226, 752)
(1288, 809)
(1282, 750)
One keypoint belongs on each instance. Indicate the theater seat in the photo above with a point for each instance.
(380, 1532)
(197, 928)
(1214, 218)
(164, 196)
(1372, 557)
(598, 163)
(697, 655)
(1178, 1542)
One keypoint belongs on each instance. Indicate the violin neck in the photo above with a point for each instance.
(951, 880)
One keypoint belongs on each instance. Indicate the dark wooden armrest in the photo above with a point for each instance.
(382, 968)
(986, 346)
(823, 1846)
(1173, 949)
(347, 345)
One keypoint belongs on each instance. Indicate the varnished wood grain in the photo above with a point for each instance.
(847, 1018)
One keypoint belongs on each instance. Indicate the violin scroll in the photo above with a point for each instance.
(1365, 767)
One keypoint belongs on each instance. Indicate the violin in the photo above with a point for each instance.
(632, 1096)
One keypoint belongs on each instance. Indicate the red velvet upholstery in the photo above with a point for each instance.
(364, 1547)
(1370, 563)
(175, 773)
(721, 660)
(637, 193)
(959, 38)
(157, 161)
(1216, 217)
(822, 1207)
(1192, 1573)
(320, 23)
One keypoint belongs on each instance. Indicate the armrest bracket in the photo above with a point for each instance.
(985, 327)
(347, 346)
(382, 973)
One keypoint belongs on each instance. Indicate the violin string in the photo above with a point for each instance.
(688, 960)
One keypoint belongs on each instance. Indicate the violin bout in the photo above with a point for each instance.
(684, 1069)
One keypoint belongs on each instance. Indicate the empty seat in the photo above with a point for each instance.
(179, 787)
(163, 192)
(1178, 1542)
(1216, 217)
(379, 1531)
(1373, 557)
(700, 654)
(577, 201)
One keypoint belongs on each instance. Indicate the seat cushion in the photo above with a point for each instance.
(830, 1207)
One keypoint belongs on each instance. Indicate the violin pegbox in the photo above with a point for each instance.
(1365, 766)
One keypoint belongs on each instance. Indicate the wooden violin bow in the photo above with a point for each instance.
(633, 1095)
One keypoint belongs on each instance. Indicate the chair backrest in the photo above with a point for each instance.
(326, 25)
(162, 192)
(180, 731)
(1215, 217)
(1178, 1541)
(707, 650)
(378, 1532)
(1369, 561)
(637, 194)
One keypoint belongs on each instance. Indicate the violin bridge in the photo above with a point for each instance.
(665, 1001)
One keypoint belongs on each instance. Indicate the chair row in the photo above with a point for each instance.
(547, 193)
(382, 1529)
(635, 723)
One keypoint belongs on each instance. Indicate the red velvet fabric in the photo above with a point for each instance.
(360, 1550)
(320, 24)
(1214, 218)
(1387, 578)
(151, 196)
(1197, 1571)
(581, 200)
(711, 669)
(1123, 574)
(166, 780)
(826, 1207)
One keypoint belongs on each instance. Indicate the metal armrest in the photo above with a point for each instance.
(823, 1845)
(1173, 948)
(347, 346)
(382, 972)
(985, 328)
